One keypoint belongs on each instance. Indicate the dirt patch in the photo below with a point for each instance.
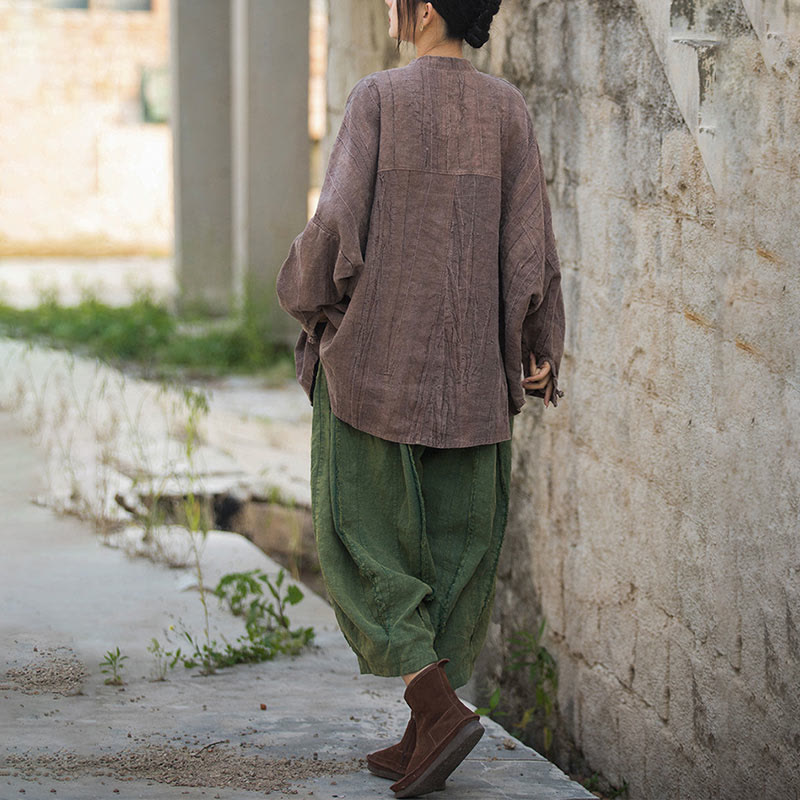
(56, 669)
(181, 766)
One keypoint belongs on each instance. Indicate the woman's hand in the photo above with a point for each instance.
(539, 378)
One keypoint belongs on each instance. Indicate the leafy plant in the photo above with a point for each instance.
(163, 660)
(491, 709)
(196, 521)
(252, 595)
(263, 604)
(112, 663)
(528, 653)
(260, 613)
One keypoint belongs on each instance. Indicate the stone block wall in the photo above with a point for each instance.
(83, 174)
(655, 516)
(654, 521)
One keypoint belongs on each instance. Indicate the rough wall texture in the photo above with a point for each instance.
(655, 518)
(654, 521)
(82, 174)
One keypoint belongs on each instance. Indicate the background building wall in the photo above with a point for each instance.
(654, 520)
(82, 172)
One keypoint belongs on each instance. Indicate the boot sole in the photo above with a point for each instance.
(394, 776)
(451, 756)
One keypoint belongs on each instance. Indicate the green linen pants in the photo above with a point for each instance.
(408, 537)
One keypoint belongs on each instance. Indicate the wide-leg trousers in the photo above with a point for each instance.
(408, 537)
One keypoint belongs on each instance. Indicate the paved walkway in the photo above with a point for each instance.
(75, 435)
(67, 599)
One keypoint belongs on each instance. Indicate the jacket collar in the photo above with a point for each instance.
(444, 62)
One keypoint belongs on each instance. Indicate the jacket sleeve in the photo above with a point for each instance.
(316, 274)
(530, 268)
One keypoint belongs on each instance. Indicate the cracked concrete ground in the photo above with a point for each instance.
(293, 727)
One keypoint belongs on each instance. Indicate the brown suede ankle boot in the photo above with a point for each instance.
(446, 731)
(392, 762)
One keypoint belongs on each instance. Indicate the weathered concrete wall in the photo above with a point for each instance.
(82, 173)
(655, 515)
(654, 520)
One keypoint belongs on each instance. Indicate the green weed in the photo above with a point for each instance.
(263, 605)
(491, 709)
(163, 660)
(147, 334)
(112, 663)
(528, 653)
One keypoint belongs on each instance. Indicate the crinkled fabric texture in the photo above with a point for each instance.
(428, 274)
(409, 539)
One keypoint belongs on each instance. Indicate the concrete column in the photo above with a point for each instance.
(201, 106)
(358, 44)
(270, 61)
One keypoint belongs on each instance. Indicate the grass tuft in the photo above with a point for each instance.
(147, 334)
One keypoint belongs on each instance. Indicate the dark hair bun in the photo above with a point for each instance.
(478, 33)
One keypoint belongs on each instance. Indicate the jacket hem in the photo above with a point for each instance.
(440, 442)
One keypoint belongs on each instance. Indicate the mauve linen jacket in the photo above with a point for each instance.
(429, 272)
